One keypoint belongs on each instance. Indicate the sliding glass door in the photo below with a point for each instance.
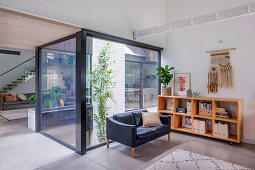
(133, 85)
(141, 81)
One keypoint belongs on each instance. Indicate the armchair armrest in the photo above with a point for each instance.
(166, 120)
(120, 132)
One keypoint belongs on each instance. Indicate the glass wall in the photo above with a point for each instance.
(119, 77)
(58, 91)
(141, 81)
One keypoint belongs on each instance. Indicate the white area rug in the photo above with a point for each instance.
(14, 114)
(185, 160)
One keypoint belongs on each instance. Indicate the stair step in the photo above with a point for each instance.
(30, 74)
(24, 76)
(6, 88)
(17, 82)
(20, 79)
(11, 85)
(32, 71)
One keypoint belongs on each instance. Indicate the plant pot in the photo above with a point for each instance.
(166, 91)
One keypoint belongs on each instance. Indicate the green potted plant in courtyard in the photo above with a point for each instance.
(165, 77)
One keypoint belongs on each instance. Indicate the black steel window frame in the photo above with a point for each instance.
(80, 89)
(141, 103)
(81, 39)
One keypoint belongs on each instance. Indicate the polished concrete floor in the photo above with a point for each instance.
(20, 149)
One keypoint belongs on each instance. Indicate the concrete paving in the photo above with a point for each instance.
(119, 156)
(21, 149)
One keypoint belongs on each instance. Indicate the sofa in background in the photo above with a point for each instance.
(126, 128)
(20, 104)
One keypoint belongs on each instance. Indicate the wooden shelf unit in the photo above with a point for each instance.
(179, 101)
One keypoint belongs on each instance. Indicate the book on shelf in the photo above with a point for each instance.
(222, 113)
(189, 107)
(221, 130)
(200, 126)
(186, 122)
(205, 105)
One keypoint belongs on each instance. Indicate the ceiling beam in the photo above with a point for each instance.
(217, 16)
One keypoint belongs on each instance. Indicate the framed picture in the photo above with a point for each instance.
(182, 82)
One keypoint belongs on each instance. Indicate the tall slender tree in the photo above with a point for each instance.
(102, 85)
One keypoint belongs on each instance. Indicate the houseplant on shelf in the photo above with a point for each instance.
(165, 77)
(102, 85)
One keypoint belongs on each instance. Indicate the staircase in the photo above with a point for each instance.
(17, 75)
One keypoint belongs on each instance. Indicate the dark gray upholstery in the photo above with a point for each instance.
(16, 104)
(137, 114)
(129, 133)
(11, 103)
(126, 118)
(159, 129)
(145, 132)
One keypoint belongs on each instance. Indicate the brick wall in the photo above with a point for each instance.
(117, 53)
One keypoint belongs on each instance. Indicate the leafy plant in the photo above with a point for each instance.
(32, 99)
(165, 75)
(102, 85)
(52, 96)
(56, 94)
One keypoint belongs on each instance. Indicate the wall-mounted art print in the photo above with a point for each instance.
(182, 82)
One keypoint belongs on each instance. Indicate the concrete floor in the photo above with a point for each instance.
(20, 149)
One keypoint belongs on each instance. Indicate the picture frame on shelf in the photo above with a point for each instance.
(182, 82)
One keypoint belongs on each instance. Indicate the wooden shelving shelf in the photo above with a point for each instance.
(202, 116)
(177, 101)
(234, 120)
(166, 111)
(183, 129)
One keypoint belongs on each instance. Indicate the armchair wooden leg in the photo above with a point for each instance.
(169, 136)
(107, 143)
(133, 152)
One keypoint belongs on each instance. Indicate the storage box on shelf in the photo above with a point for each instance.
(227, 112)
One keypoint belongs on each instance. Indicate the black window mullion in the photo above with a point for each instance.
(81, 92)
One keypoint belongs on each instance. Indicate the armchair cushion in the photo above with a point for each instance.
(160, 129)
(126, 118)
(145, 132)
(138, 116)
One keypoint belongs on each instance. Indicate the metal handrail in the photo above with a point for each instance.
(17, 66)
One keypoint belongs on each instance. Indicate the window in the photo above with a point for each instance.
(58, 68)
(141, 82)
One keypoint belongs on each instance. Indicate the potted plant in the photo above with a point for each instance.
(165, 77)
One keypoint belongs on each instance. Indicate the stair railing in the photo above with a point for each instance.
(17, 66)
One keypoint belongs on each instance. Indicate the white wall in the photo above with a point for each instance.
(186, 52)
(8, 61)
(115, 17)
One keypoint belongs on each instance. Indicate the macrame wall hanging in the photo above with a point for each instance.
(221, 72)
